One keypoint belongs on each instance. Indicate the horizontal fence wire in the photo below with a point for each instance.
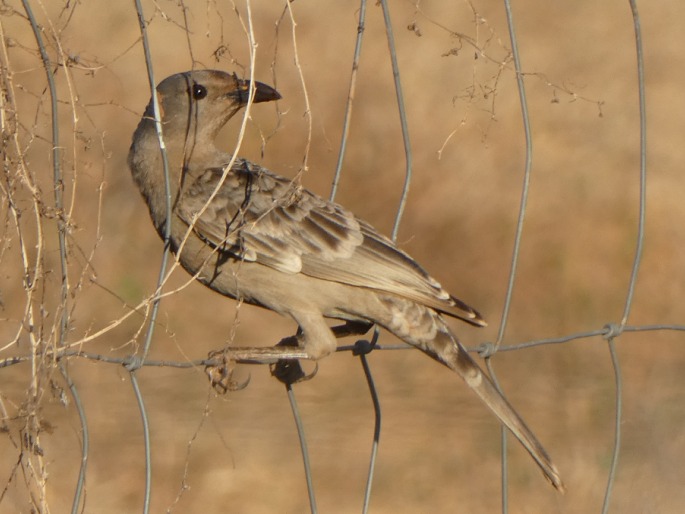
(59, 353)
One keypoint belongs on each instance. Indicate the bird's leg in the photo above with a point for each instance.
(283, 358)
(260, 354)
(222, 362)
(289, 370)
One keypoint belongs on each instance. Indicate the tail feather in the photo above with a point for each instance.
(447, 349)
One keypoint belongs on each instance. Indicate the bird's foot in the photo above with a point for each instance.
(289, 371)
(221, 374)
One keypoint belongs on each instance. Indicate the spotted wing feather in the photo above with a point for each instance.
(260, 217)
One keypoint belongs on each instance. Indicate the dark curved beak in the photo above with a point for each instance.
(262, 93)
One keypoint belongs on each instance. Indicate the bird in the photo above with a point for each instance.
(252, 235)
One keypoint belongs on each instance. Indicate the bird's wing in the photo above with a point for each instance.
(261, 217)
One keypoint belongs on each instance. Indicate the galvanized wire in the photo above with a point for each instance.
(525, 187)
(309, 478)
(58, 185)
(135, 360)
(238, 354)
(636, 259)
(350, 99)
(167, 188)
(406, 141)
(362, 348)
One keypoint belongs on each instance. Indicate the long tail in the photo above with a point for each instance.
(446, 349)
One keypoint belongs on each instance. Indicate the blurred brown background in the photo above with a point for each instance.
(439, 449)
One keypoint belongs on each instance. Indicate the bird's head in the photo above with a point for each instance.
(195, 105)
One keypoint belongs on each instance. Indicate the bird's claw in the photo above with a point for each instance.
(221, 375)
(289, 371)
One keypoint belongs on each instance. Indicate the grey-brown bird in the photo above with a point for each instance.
(252, 235)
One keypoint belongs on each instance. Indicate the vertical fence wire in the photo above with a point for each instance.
(636, 260)
(58, 185)
(528, 166)
(309, 478)
(135, 362)
(350, 99)
(167, 187)
(642, 202)
(617, 423)
(406, 142)
(362, 348)
(525, 186)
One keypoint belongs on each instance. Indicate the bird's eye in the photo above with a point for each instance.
(199, 92)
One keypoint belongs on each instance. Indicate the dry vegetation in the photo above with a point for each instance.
(439, 447)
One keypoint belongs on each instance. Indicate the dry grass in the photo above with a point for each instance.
(439, 448)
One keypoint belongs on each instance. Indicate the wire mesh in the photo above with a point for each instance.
(63, 311)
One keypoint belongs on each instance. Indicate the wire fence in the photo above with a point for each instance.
(48, 261)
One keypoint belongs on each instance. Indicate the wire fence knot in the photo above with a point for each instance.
(362, 347)
(132, 363)
(612, 330)
(486, 349)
